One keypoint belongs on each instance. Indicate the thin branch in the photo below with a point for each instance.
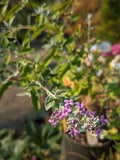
(50, 93)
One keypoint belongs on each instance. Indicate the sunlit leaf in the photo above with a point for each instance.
(3, 11)
(37, 31)
(26, 51)
(7, 59)
(13, 11)
(50, 56)
(4, 87)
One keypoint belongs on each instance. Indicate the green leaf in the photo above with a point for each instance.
(55, 138)
(35, 99)
(53, 131)
(46, 73)
(7, 59)
(62, 7)
(49, 103)
(19, 146)
(115, 136)
(117, 147)
(64, 71)
(23, 94)
(45, 131)
(4, 41)
(50, 135)
(4, 1)
(2, 78)
(77, 89)
(33, 129)
(37, 32)
(4, 87)
(68, 41)
(33, 3)
(10, 76)
(39, 20)
(26, 40)
(13, 11)
(37, 57)
(74, 18)
(26, 51)
(3, 11)
(50, 56)
(77, 30)
(4, 133)
(17, 156)
(61, 93)
(41, 80)
(11, 20)
(1, 53)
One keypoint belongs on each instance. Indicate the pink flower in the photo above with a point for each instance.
(107, 54)
(114, 50)
(34, 157)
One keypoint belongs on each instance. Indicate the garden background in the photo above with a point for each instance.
(48, 42)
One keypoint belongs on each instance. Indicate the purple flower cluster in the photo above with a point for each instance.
(58, 114)
(78, 119)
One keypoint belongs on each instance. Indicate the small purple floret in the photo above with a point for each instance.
(73, 132)
(99, 130)
(69, 102)
(67, 111)
(103, 121)
(78, 104)
(59, 114)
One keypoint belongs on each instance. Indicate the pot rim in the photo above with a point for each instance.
(99, 145)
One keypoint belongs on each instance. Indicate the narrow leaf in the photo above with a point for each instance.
(50, 56)
(37, 32)
(3, 11)
(13, 11)
(35, 99)
(65, 71)
(11, 20)
(4, 2)
(62, 7)
(26, 51)
(4, 87)
(7, 59)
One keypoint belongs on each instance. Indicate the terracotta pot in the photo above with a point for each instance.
(72, 150)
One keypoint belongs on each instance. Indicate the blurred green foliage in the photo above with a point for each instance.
(114, 128)
(42, 142)
(110, 21)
